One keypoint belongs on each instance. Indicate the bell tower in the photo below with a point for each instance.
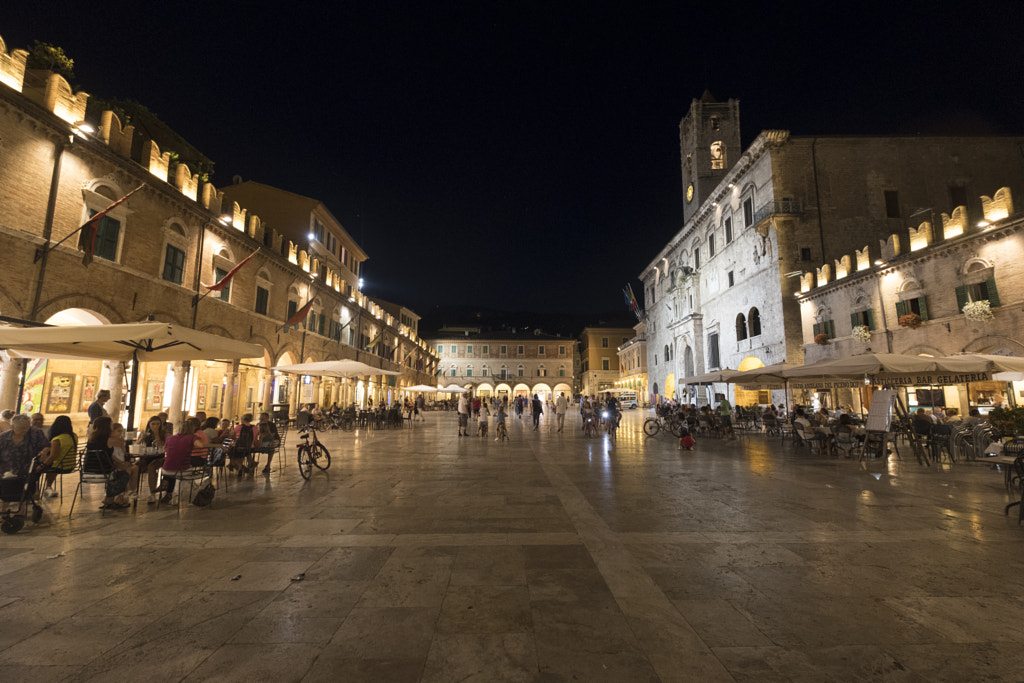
(709, 145)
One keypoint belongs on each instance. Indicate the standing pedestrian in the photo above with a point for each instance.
(538, 410)
(463, 410)
(561, 405)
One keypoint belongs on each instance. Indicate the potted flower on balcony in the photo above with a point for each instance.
(911, 320)
(821, 339)
(862, 333)
(978, 311)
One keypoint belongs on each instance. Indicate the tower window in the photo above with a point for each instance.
(892, 204)
(716, 122)
(717, 155)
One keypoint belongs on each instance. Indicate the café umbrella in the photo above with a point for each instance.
(335, 368)
(135, 342)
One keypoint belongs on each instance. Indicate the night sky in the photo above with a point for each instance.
(522, 156)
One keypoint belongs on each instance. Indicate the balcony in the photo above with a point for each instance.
(784, 207)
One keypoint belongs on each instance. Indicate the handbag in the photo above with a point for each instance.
(204, 496)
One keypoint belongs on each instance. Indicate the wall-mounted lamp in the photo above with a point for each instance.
(879, 262)
(795, 273)
(984, 224)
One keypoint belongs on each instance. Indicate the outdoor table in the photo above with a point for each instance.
(1005, 463)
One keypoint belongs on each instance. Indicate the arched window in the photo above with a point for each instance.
(741, 327)
(754, 322)
(666, 353)
(688, 362)
(717, 155)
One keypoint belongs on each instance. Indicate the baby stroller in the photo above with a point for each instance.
(14, 489)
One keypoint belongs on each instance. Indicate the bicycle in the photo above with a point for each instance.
(501, 432)
(590, 425)
(310, 454)
(672, 423)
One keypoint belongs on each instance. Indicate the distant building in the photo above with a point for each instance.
(720, 294)
(505, 363)
(633, 363)
(599, 357)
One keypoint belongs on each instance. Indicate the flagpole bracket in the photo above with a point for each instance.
(40, 252)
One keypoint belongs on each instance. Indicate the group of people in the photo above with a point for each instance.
(479, 409)
(29, 453)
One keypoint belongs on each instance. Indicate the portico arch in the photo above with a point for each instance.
(542, 390)
(745, 397)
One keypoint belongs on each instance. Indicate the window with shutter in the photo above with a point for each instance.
(816, 329)
(901, 309)
(922, 307)
(961, 298)
(993, 295)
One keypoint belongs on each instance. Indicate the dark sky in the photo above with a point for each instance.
(522, 156)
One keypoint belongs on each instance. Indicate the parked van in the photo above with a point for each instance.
(628, 401)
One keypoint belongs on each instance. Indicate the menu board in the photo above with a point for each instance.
(880, 415)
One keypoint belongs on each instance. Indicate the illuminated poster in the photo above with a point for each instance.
(89, 383)
(59, 399)
(201, 395)
(32, 396)
(154, 394)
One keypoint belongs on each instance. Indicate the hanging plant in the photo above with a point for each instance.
(821, 339)
(911, 320)
(978, 311)
(862, 333)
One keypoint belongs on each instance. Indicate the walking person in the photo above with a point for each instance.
(463, 410)
(561, 406)
(538, 410)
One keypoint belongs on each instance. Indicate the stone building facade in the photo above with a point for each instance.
(153, 255)
(633, 363)
(505, 363)
(911, 300)
(720, 294)
(599, 357)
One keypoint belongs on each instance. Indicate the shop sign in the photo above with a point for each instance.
(922, 379)
(827, 383)
(762, 387)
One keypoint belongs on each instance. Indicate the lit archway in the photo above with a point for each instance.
(670, 385)
(748, 397)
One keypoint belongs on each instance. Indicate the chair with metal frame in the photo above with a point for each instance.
(193, 474)
(94, 467)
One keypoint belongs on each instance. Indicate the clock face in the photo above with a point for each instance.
(689, 193)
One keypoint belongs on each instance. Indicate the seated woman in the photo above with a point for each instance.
(185, 450)
(60, 459)
(269, 439)
(154, 437)
(17, 448)
(99, 441)
(116, 442)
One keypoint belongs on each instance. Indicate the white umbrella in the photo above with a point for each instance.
(454, 388)
(420, 387)
(146, 342)
(335, 368)
(865, 364)
(137, 342)
(710, 377)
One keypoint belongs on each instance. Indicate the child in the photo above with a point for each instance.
(484, 415)
(686, 441)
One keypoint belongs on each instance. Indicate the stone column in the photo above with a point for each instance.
(10, 380)
(229, 410)
(316, 391)
(267, 382)
(112, 379)
(174, 413)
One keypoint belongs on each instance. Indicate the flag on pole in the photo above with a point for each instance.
(230, 274)
(299, 316)
(87, 233)
(373, 342)
(631, 300)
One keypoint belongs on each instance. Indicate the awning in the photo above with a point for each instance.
(148, 342)
(335, 368)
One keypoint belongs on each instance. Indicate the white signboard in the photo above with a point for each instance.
(880, 415)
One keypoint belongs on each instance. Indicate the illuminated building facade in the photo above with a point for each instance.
(720, 293)
(152, 257)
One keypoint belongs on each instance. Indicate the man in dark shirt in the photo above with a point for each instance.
(96, 407)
